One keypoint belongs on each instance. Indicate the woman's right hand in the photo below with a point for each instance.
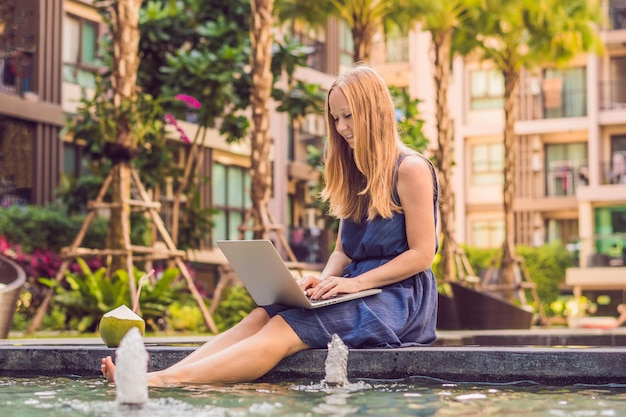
(308, 282)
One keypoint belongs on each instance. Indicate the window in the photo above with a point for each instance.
(610, 229)
(346, 45)
(487, 164)
(397, 46)
(75, 162)
(615, 168)
(617, 14)
(613, 94)
(486, 89)
(313, 43)
(562, 230)
(16, 161)
(565, 92)
(80, 47)
(487, 233)
(567, 168)
(231, 185)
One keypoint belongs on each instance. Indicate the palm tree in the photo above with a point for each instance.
(441, 18)
(260, 94)
(124, 18)
(364, 18)
(524, 34)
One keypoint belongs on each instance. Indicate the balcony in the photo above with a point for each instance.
(553, 100)
(563, 177)
(16, 71)
(614, 171)
(613, 94)
(603, 262)
(617, 14)
(398, 50)
(608, 250)
(9, 194)
(315, 51)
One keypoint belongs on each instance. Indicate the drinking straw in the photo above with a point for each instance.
(141, 281)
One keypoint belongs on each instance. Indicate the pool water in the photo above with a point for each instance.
(56, 397)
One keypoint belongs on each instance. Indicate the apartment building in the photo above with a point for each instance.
(49, 59)
(31, 113)
(571, 127)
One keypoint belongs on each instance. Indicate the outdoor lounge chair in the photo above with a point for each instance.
(13, 277)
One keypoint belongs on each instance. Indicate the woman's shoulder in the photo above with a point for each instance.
(416, 173)
(414, 164)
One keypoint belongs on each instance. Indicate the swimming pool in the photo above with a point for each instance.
(61, 378)
(77, 397)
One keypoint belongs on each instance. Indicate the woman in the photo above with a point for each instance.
(386, 197)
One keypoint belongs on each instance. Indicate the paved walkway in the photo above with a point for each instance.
(548, 356)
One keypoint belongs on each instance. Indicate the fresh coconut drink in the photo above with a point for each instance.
(115, 324)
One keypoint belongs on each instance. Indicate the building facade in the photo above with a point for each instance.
(31, 113)
(571, 129)
(570, 165)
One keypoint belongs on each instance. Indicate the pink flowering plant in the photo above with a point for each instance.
(169, 118)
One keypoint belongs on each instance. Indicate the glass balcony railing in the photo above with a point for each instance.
(614, 171)
(608, 250)
(398, 50)
(569, 103)
(553, 103)
(16, 71)
(563, 177)
(617, 14)
(613, 94)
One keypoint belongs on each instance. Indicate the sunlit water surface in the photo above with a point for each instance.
(21, 397)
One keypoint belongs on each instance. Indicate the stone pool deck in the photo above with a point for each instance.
(549, 356)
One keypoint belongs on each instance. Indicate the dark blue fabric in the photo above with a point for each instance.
(403, 314)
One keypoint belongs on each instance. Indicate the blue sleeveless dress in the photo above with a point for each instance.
(403, 314)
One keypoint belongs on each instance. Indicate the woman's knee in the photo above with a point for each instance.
(257, 318)
(278, 329)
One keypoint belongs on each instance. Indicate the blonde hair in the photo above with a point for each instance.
(360, 181)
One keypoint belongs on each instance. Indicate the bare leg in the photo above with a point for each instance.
(251, 324)
(245, 328)
(244, 361)
(235, 358)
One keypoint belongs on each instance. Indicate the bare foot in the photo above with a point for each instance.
(108, 369)
(622, 316)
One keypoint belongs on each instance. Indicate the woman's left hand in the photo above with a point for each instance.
(332, 286)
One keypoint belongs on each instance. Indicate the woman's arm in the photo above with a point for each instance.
(334, 267)
(337, 260)
(415, 189)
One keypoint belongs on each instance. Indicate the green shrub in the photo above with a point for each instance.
(34, 227)
(236, 305)
(91, 294)
(546, 266)
(186, 316)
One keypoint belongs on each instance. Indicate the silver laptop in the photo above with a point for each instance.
(268, 279)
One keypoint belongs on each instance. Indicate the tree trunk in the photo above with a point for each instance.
(444, 155)
(511, 80)
(120, 192)
(260, 94)
(125, 21)
(193, 161)
(362, 36)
